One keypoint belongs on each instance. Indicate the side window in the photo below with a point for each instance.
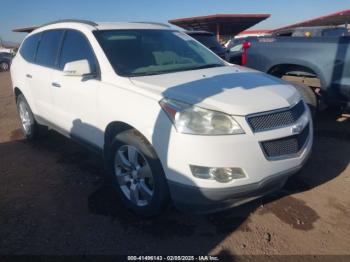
(48, 48)
(76, 47)
(29, 47)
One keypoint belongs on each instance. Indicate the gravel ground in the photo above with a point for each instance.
(53, 201)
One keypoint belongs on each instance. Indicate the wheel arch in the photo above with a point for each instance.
(116, 127)
(281, 69)
(299, 71)
(17, 92)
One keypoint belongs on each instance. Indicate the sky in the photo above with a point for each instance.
(22, 13)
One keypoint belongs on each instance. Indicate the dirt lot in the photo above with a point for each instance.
(53, 201)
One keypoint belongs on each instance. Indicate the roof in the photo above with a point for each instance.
(130, 25)
(99, 25)
(338, 18)
(226, 24)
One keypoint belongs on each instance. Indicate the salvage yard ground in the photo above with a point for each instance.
(53, 201)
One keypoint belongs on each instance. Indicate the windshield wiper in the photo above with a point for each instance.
(143, 74)
(174, 70)
(152, 73)
(205, 66)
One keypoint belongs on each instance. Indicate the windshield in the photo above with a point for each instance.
(149, 52)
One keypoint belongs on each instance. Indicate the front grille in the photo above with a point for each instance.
(276, 119)
(286, 146)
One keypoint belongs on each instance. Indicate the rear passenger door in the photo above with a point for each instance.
(74, 97)
(40, 72)
(27, 52)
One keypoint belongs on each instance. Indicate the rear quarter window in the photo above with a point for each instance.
(29, 47)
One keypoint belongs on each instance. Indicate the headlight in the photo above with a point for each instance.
(189, 119)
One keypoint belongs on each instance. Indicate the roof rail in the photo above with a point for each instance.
(153, 23)
(87, 22)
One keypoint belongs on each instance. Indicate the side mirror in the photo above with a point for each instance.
(77, 68)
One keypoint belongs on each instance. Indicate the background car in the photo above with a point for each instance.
(209, 40)
(315, 31)
(314, 59)
(235, 51)
(5, 61)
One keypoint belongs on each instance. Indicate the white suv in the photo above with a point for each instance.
(172, 120)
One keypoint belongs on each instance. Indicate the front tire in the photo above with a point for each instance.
(136, 174)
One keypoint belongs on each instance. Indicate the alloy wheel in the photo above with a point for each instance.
(25, 117)
(134, 175)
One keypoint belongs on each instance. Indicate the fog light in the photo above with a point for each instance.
(220, 174)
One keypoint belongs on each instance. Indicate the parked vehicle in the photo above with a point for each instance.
(320, 66)
(315, 31)
(235, 50)
(172, 120)
(5, 61)
(209, 40)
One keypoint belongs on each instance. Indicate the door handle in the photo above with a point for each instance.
(28, 76)
(55, 84)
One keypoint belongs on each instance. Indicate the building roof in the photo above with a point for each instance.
(225, 24)
(338, 18)
(25, 29)
(233, 24)
(251, 32)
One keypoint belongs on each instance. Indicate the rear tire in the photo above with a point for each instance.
(132, 165)
(31, 129)
(308, 95)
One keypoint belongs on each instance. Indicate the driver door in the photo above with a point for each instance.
(74, 97)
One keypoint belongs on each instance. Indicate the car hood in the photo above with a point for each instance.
(231, 89)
